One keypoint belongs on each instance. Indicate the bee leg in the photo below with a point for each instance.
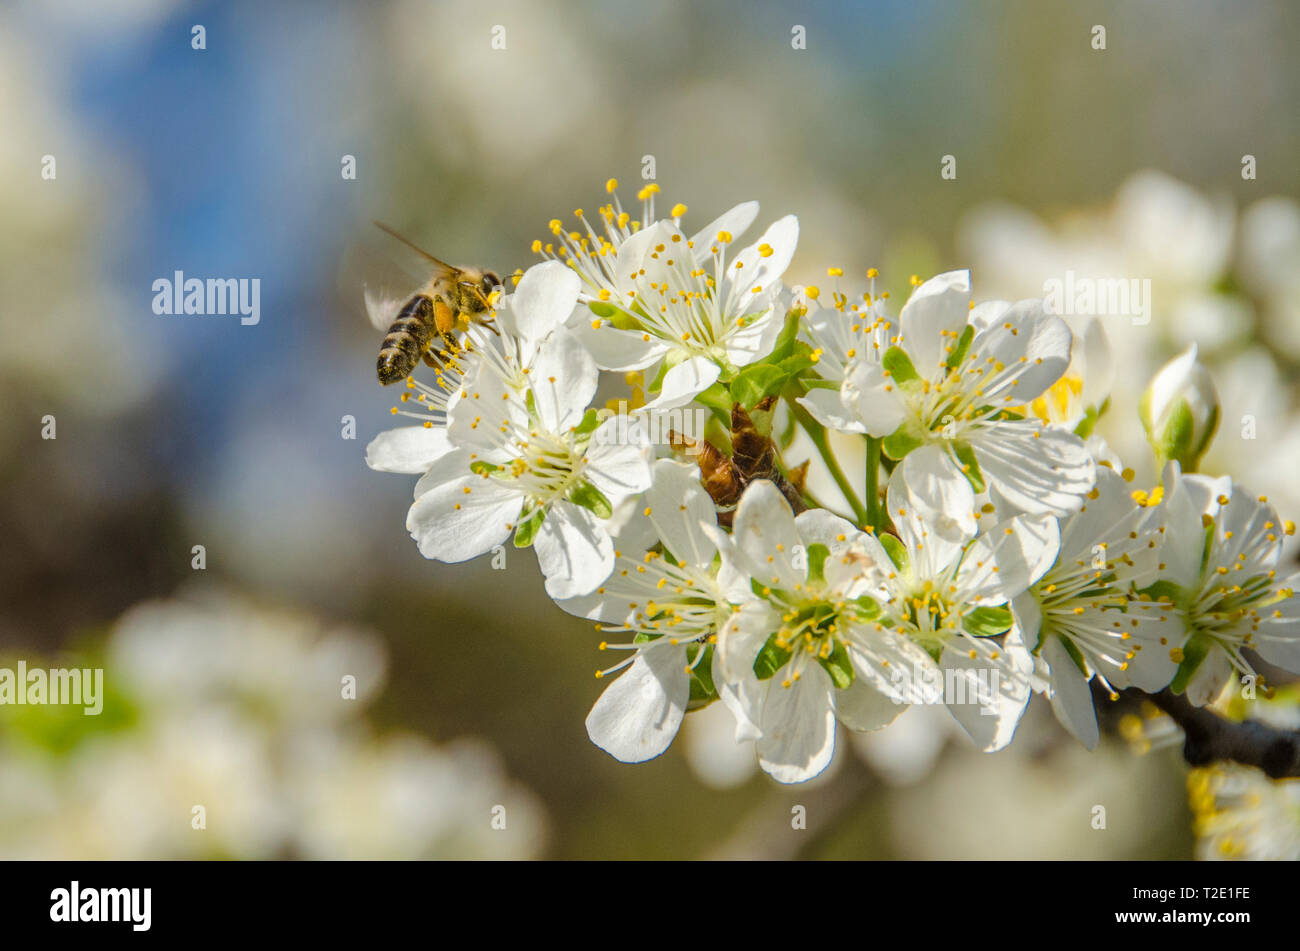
(444, 320)
(799, 475)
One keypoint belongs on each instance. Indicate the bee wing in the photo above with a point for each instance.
(381, 308)
(388, 273)
(439, 265)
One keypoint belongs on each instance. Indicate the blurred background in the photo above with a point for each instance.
(173, 432)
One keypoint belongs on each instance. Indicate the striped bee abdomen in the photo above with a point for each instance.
(406, 340)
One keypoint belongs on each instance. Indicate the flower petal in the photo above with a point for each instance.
(679, 508)
(765, 538)
(735, 222)
(563, 381)
(573, 551)
(1070, 694)
(683, 383)
(1210, 678)
(820, 527)
(1037, 469)
(756, 339)
(936, 313)
(638, 715)
(873, 398)
(862, 707)
(828, 408)
(1031, 348)
(798, 724)
(464, 518)
(933, 506)
(542, 302)
(615, 349)
(408, 449)
(761, 264)
(739, 641)
(991, 700)
(1005, 560)
(618, 460)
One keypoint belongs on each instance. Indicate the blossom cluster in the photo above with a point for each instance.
(999, 550)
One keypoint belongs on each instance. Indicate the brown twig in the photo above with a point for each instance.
(1211, 738)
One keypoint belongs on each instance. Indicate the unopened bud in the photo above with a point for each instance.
(1180, 410)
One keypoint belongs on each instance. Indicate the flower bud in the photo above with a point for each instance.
(1180, 410)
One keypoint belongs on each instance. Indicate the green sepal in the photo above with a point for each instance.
(900, 442)
(657, 384)
(770, 659)
(717, 433)
(838, 666)
(717, 399)
(867, 608)
(1090, 417)
(1075, 655)
(792, 366)
(620, 318)
(963, 345)
(590, 420)
(786, 339)
(527, 529)
(1195, 651)
(899, 365)
(755, 382)
(590, 497)
(812, 383)
(987, 622)
(817, 555)
(895, 550)
(1163, 589)
(703, 691)
(1175, 441)
(970, 465)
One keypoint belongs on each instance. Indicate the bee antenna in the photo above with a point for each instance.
(409, 243)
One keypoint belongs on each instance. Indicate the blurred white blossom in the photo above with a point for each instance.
(245, 711)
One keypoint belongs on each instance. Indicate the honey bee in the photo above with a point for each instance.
(450, 300)
(753, 457)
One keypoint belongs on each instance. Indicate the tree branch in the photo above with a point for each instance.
(1210, 738)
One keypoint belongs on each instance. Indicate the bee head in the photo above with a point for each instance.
(490, 282)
